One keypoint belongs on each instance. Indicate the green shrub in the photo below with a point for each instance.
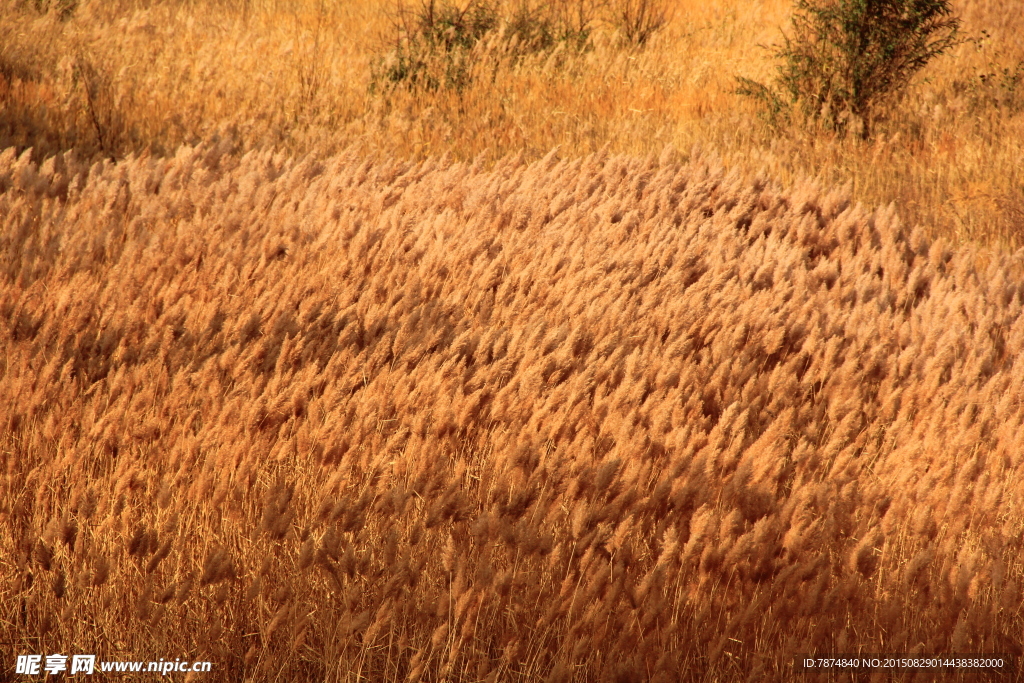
(431, 44)
(994, 87)
(844, 58)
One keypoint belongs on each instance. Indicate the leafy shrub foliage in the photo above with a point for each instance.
(845, 58)
(999, 86)
(432, 46)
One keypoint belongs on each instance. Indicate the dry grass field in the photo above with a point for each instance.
(360, 419)
(134, 75)
(320, 383)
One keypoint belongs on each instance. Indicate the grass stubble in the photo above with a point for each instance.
(357, 418)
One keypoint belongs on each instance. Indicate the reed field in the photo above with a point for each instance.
(122, 76)
(322, 377)
(359, 419)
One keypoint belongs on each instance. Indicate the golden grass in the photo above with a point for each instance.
(133, 76)
(354, 418)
